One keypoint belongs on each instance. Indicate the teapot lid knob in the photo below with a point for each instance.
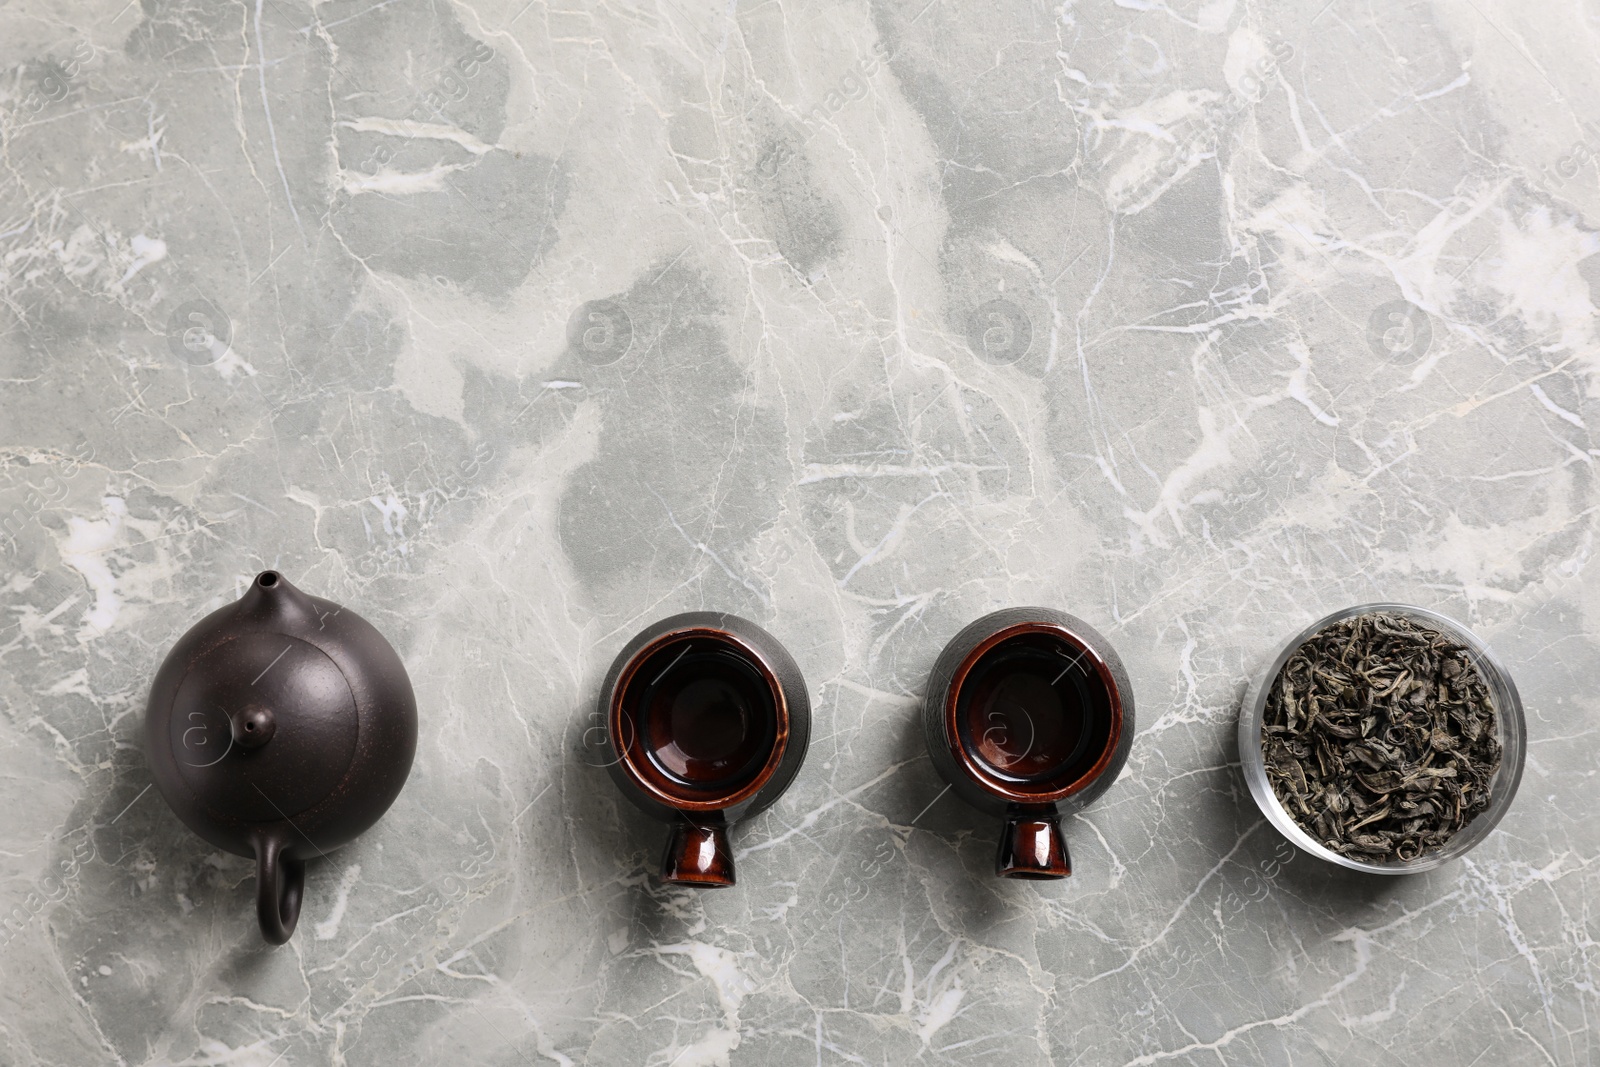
(253, 726)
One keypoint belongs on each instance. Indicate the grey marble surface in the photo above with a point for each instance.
(514, 326)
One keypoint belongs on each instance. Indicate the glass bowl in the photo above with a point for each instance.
(1502, 787)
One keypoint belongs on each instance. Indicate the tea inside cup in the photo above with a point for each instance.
(1034, 713)
(706, 715)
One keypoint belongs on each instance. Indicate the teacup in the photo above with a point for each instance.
(1029, 716)
(707, 723)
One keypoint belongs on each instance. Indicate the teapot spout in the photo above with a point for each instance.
(272, 596)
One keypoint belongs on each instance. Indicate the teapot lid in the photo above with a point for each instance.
(264, 724)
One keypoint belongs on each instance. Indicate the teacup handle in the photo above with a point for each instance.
(280, 883)
(1031, 846)
(698, 854)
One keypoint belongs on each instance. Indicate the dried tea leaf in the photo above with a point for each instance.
(1380, 737)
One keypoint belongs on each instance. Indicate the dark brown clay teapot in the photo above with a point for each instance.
(707, 723)
(1029, 716)
(280, 727)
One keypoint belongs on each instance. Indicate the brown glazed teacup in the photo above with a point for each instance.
(1029, 716)
(707, 722)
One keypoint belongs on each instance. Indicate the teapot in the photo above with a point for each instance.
(280, 727)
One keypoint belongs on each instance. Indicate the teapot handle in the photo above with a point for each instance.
(280, 883)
